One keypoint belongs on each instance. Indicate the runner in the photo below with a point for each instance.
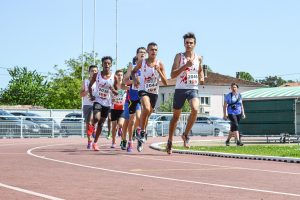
(133, 110)
(117, 107)
(151, 70)
(101, 107)
(188, 72)
(88, 104)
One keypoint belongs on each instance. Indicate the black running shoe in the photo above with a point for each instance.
(123, 144)
(139, 145)
(227, 143)
(143, 137)
(239, 143)
(169, 147)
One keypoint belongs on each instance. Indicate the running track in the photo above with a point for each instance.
(64, 169)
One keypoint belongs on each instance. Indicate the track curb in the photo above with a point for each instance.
(157, 146)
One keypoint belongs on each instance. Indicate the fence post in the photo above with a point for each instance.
(21, 134)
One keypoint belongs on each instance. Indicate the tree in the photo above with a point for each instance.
(25, 88)
(65, 85)
(168, 106)
(246, 76)
(272, 81)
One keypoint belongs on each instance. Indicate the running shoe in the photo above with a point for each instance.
(239, 143)
(89, 145)
(143, 136)
(186, 141)
(227, 143)
(139, 145)
(95, 147)
(129, 148)
(123, 144)
(108, 135)
(113, 145)
(169, 147)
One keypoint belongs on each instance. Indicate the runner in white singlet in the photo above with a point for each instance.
(189, 74)
(88, 104)
(104, 86)
(151, 71)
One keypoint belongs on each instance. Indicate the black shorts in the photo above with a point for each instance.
(234, 121)
(152, 97)
(132, 104)
(97, 107)
(116, 114)
(181, 95)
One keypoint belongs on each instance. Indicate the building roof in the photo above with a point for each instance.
(272, 93)
(219, 79)
(291, 84)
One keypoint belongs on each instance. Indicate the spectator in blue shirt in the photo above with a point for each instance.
(234, 110)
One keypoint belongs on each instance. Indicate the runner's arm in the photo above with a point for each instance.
(176, 69)
(200, 72)
(90, 86)
(162, 73)
(83, 92)
(133, 72)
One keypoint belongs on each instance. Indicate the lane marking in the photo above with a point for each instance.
(29, 192)
(165, 170)
(29, 152)
(225, 166)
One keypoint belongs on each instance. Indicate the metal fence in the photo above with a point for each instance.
(45, 126)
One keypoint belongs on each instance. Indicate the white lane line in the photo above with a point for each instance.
(225, 166)
(29, 152)
(29, 192)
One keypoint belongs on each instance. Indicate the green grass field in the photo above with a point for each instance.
(264, 150)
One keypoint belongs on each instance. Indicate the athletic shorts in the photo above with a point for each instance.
(152, 97)
(116, 114)
(133, 106)
(181, 95)
(87, 111)
(97, 107)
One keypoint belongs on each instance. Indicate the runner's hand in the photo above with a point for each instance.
(92, 98)
(189, 62)
(201, 82)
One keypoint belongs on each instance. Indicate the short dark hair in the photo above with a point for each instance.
(151, 44)
(106, 58)
(234, 84)
(189, 35)
(119, 70)
(92, 66)
(138, 49)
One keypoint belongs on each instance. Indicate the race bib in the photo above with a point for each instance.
(192, 79)
(119, 99)
(151, 86)
(103, 93)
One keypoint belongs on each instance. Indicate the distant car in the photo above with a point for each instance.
(159, 124)
(48, 126)
(206, 125)
(73, 124)
(11, 126)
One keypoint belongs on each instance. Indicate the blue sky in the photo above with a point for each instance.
(259, 37)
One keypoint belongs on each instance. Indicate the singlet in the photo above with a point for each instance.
(188, 79)
(133, 91)
(103, 89)
(86, 99)
(149, 78)
(118, 101)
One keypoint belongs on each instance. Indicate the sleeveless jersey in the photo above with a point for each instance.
(118, 101)
(103, 89)
(188, 79)
(149, 78)
(86, 99)
(133, 91)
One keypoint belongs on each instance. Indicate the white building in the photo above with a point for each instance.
(211, 95)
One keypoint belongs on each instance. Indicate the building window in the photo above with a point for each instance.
(163, 97)
(204, 100)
